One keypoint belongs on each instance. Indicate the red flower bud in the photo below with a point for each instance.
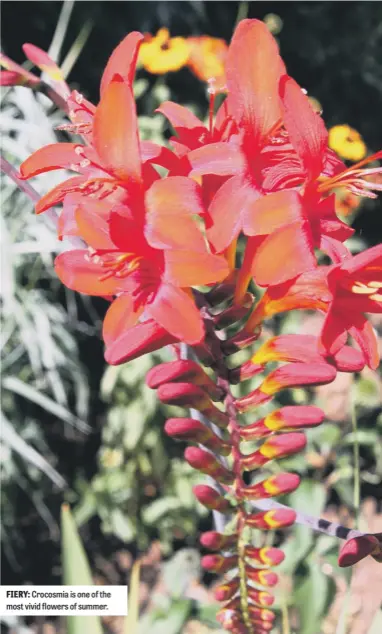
(190, 429)
(185, 371)
(227, 590)
(218, 563)
(275, 485)
(297, 348)
(269, 520)
(287, 376)
(358, 548)
(210, 498)
(285, 419)
(189, 395)
(217, 541)
(260, 597)
(268, 556)
(263, 577)
(206, 462)
(145, 337)
(262, 614)
(275, 447)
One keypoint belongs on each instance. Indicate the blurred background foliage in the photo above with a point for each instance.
(77, 430)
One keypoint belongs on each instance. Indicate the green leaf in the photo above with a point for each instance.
(76, 572)
(311, 598)
(131, 621)
(154, 511)
(122, 526)
(309, 498)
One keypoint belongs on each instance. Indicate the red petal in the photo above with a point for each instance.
(122, 61)
(370, 257)
(268, 213)
(191, 268)
(51, 157)
(283, 255)
(58, 193)
(179, 117)
(115, 132)
(175, 311)
(138, 340)
(364, 334)
(333, 334)
(306, 129)
(81, 275)
(227, 208)
(222, 159)
(119, 317)
(254, 68)
(158, 154)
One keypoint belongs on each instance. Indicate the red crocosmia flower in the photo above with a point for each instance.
(120, 262)
(356, 289)
(116, 166)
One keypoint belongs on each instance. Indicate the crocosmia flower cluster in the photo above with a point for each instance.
(248, 198)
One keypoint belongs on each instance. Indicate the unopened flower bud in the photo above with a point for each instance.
(206, 462)
(227, 590)
(191, 429)
(189, 395)
(287, 376)
(279, 484)
(267, 556)
(210, 498)
(269, 520)
(278, 446)
(263, 577)
(358, 548)
(217, 541)
(218, 563)
(184, 371)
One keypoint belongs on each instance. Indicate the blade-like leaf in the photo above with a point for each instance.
(131, 622)
(76, 572)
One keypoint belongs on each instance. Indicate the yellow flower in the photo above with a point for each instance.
(347, 142)
(207, 59)
(161, 54)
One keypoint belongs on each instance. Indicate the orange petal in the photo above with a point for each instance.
(42, 60)
(122, 61)
(115, 132)
(191, 268)
(253, 69)
(58, 193)
(222, 159)
(175, 311)
(50, 157)
(226, 209)
(268, 213)
(305, 127)
(164, 231)
(93, 229)
(119, 317)
(79, 274)
(283, 255)
(175, 195)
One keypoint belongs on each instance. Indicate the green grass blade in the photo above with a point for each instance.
(76, 572)
(131, 623)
